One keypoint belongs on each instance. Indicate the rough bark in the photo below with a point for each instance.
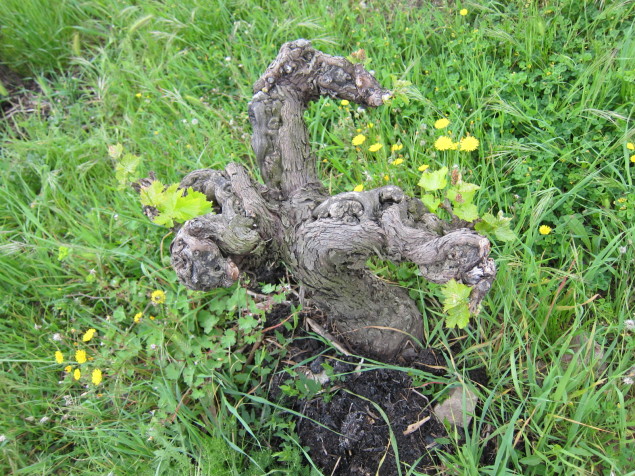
(324, 241)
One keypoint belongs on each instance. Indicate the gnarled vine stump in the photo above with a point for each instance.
(324, 241)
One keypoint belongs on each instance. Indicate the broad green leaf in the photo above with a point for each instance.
(164, 220)
(454, 293)
(151, 196)
(126, 169)
(191, 205)
(498, 226)
(431, 202)
(458, 316)
(462, 193)
(466, 211)
(431, 181)
(173, 205)
(505, 233)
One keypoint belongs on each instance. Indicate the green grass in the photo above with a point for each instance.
(546, 87)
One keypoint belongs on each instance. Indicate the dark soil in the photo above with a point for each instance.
(20, 95)
(352, 423)
(361, 443)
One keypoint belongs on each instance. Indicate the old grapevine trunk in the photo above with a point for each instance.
(324, 241)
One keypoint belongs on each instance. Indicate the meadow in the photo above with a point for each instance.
(110, 366)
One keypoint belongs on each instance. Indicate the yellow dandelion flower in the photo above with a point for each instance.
(397, 162)
(344, 102)
(544, 229)
(137, 317)
(359, 139)
(441, 123)
(80, 356)
(463, 12)
(375, 147)
(469, 143)
(630, 146)
(96, 376)
(371, 125)
(88, 335)
(59, 357)
(358, 188)
(77, 374)
(443, 143)
(158, 297)
(68, 369)
(139, 95)
(386, 178)
(152, 318)
(396, 147)
(423, 168)
(633, 158)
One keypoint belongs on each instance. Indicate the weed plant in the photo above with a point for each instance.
(164, 384)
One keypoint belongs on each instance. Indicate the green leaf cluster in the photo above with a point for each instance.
(126, 165)
(497, 226)
(460, 195)
(456, 298)
(174, 204)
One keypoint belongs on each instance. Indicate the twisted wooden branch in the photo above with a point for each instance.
(324, 241)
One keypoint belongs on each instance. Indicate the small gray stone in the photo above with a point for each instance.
(461, 401)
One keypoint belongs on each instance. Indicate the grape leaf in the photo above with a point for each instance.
(191, 205)
(454, 293)
(458, 316)
(152, 195)
(466, 211)
(173, 205)
(126, 168)
(431, 202)
(455, 304)
(498, 226)
(431, 181)
(462, 193)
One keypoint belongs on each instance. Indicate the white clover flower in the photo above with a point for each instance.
(622, 250)
(44, 420)
(629, 324)
(3, 438)
(228, 58)
(57, 337)
(628, 380)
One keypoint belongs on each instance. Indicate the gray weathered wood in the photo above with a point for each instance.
(324, 241)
